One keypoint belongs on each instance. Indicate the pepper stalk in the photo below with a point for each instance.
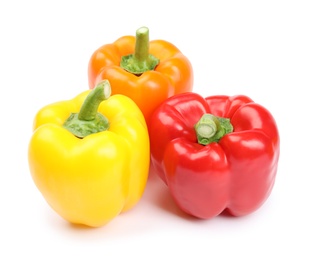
(141, 60)
(211, 128)
(89, 120)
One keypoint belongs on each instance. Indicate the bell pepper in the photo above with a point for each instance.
(83, 155)
(146, 71)
(215, 154)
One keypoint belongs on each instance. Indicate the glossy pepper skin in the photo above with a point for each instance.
(235, 173)
(90, 180)
(149, 86)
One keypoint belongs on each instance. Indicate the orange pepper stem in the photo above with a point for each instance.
(142, 44)
(211, 129)
(89, 120)
(141, 60)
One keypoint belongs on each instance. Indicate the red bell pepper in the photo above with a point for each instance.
(216, 153)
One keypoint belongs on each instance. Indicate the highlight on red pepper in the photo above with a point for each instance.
(83, 155)
(215, 154)
(146, 71)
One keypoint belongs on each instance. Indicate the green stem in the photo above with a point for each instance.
(91, 104)
(142, 44)
(211, 129)
(89, 120)
(141, 60)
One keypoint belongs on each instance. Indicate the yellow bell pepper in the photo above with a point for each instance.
(89, 156)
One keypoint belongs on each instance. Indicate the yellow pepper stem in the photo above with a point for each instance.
(89, 120)
(141, 60)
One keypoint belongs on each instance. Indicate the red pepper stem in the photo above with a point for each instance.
(207, 126)
(89, 120)
(211, 128)
(141, 60)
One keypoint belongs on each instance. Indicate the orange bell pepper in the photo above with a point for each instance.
(146, 71)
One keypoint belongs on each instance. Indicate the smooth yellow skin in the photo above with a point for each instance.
(90, 181)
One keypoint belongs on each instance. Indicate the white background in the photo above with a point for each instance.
(255, 48)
